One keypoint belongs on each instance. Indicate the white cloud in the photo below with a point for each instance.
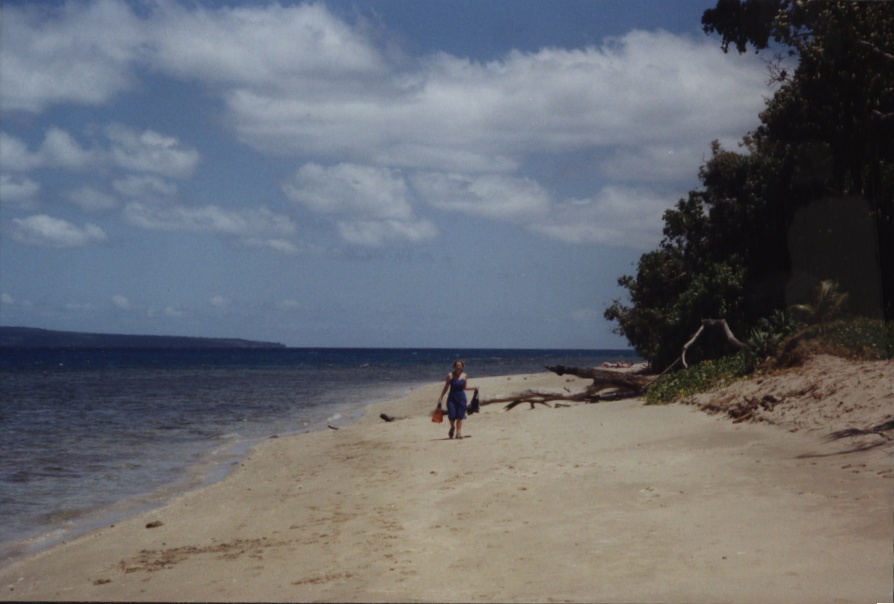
(151, 152)
(15, 156)
(92, 200)
(121, 302)
(643, 106)
(75, 53)
(377, 232)
(282, 246)
(174, 312)
(350, 189)
(491, 196)
(265, 46)
(18, 192)
(46, 231)
(9, 300)
(58, 150)
(664, 162)
(219, 302)
(208, 219)
(289, 304)
(369, 205)
(145, 187)
(617, 216)
(297, 81)
(125, 148)
(647, 90)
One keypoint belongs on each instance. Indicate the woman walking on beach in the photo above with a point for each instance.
(456, 401)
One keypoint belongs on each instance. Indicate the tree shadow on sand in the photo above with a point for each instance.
(879, 430)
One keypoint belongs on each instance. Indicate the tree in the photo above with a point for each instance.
(825, 134)
(835, 115)
(699, 270)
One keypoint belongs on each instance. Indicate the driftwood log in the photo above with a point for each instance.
(624, 384)
(605, 378)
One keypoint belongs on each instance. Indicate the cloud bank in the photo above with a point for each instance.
(383, 144)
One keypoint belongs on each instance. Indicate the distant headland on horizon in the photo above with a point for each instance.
(32, 337)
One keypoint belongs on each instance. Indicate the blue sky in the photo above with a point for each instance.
(387, 173)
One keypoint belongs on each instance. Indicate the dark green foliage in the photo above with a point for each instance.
(809, 198)
(767, 337)
(703, 377)
(857, 338)
(862, 338)
(867, 338)
(828, 303)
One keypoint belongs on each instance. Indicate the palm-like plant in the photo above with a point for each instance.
(828, 303)
(767, 336)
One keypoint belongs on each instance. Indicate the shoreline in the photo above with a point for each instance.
(214, 466)
(609, 502)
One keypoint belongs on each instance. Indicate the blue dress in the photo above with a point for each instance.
(456, 400)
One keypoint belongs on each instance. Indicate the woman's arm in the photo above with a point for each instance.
(446, 388)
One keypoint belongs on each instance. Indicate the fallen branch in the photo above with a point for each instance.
(517, 402)
(625, 384)
(746, 409)
(604, 379)
(529, 396)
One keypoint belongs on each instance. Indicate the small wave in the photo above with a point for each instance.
(227, 436)
(21, 476)
(62, 516)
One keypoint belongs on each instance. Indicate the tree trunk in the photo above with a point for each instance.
(711, 324)
(626, 384)
(605, 378)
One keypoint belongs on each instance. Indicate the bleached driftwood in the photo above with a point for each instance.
(626, 384)
(712, 324)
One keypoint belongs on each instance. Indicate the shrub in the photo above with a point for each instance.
(856, 338)
(703, 377)
(766, 338)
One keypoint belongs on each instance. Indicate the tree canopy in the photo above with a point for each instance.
(808, 196)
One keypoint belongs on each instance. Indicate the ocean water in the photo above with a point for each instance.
(88, 436)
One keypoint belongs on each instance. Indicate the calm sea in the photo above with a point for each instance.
(88, 436)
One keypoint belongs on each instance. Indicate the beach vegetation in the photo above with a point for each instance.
(861, 338)
(702, 377)
(801, 212)
(857, 338)
(778, 342)
(767, 337)
(828, 303)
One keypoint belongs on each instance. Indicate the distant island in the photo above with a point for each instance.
(30, 337)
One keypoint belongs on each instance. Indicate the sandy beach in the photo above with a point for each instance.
(608, 502)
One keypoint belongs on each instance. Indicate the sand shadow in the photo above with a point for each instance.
(878, 430)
